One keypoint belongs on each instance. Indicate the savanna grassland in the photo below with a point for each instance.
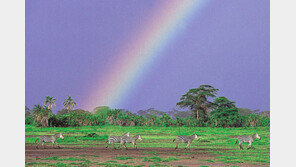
(216, 147)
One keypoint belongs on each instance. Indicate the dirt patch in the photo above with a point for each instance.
(30, 136)
(97, 155)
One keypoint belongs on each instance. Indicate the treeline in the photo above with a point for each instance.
(220, 112)
(105, 115)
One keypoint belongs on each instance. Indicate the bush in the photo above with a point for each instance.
(165, 120)
(264, 121)
(29, 120)
(59, 120)
(254, 120)
(179, 121)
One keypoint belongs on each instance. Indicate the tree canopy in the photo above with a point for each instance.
(69, 103)
(225, 113)
(49, 102)
(197, 100)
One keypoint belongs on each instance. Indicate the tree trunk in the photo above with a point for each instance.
(69, 112)
(225, 123)
(44, 121)
(197, 116)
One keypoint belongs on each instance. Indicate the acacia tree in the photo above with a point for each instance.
(223, 102)
(69, 104)
(197, 100)
(49, 102)
(225, 113)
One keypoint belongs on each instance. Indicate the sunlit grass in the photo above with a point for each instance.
(216, 141)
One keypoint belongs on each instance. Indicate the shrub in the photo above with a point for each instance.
(29, 120)
(165, 120)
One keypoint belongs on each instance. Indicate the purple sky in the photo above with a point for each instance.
(70, 43)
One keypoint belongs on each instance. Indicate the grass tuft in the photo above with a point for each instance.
(122, 158)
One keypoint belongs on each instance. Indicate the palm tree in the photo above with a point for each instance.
(27, 111)
(40, 114)
(49, 102)
(69, 104)
(37, 113)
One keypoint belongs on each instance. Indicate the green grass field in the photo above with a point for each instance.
(215, 141)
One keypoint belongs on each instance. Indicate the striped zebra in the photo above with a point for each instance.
(185, 139)
(116, 139)
(127, 139)
(247, 139)
(49, 138)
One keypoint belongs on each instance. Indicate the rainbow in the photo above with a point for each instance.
(167, 21)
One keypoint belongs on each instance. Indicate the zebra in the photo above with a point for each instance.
(247, 139)
(116, 139)
(133, 140)
(185, 139)
(49, 138)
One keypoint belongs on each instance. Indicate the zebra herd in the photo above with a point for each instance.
(125, 138)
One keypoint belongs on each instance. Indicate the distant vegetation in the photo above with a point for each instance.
(202, 112)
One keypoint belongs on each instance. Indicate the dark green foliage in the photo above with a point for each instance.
(179, 121)
(254, 120)
(29, 120)
(95, 137)
(225, 113)
(91, 135)
(264, 121)
(59, 121)
(102, 113)
(165, 120)
(78, 118)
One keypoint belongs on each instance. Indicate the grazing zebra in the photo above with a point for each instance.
(49, 138)
(126, 139)
(116, 139)
(247, 139)
(185, 139)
